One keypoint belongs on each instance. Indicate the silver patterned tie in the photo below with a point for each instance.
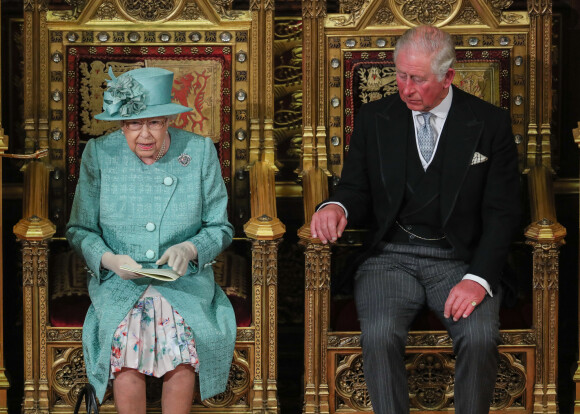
(425, 135)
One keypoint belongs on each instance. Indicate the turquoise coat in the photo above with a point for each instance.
(124, 206)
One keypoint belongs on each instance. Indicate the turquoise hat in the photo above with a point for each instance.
(139, 93)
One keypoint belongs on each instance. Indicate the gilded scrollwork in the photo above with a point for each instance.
(429, 12)
(353, 8)
(34, 255)
(428, 339)
(77, 7)
(317, 267)
(336, 341)
(64, 335)
(224, 9)
(511, 18)
(518, 338)
(245, 335)
(497, 6)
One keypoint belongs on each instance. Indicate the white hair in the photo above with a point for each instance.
(434, 42)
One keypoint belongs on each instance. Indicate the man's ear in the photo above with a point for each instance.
(448, 78)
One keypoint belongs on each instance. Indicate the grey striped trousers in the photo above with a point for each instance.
(391, 287)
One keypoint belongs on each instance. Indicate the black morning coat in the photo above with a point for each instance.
(480, 203)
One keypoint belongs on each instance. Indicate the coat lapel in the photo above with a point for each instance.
(462, 132)
(392, 128)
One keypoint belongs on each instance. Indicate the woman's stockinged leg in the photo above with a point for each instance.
(129, 392)
(178, 390)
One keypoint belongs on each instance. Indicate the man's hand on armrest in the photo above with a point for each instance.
(328, 223)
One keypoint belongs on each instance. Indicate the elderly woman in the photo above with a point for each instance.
(151, 196)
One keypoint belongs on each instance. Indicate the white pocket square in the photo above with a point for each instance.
(478, 158)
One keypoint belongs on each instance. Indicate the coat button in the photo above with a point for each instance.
(150, 226)
(168, 181)
(150, 254)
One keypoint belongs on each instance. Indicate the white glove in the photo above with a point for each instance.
(178, 256)
(115, 261)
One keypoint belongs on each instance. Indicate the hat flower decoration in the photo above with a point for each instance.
(139, 93)
(124, 95)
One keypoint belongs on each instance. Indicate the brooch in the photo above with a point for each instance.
(184, 159)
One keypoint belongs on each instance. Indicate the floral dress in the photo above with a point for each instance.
(153, 338)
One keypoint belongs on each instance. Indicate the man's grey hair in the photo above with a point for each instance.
(434, 42)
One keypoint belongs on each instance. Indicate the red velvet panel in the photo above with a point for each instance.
(70, 311)
(344, 318)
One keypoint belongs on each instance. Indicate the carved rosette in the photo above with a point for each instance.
(431, 381)
(69, 375)
(238, 386)
(191, 11)
(350, 383)
(467, 16)
(107, 11)
(511, 381)
(148, 10)
(431, 12)
(384, 16)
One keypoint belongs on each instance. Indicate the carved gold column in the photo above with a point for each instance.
(34, 232)
(266, 230)
(4, 384)
(263, 227)
(265, 287)
(576, 134)
(540, 83)
(315, 189)
(316, 318)
(314, 172)
(546, 237)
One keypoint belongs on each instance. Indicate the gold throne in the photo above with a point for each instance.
(215, 51)
(504, 57)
